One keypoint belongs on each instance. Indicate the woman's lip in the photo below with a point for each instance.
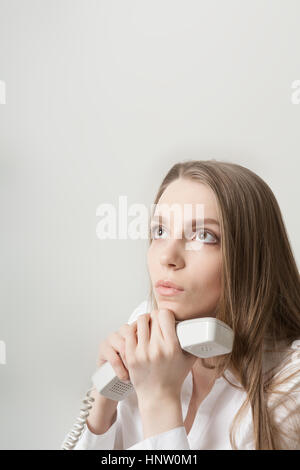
(170, 284)
(168, 291)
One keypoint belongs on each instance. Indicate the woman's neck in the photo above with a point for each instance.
(203, 378)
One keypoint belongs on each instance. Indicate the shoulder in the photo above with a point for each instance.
(289, 368)
(143, 307)
(284, 397)
(283, 402)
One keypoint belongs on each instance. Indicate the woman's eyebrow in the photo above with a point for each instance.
(207, 221)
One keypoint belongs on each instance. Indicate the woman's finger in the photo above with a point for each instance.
(167, 324)
(131, 342)
(156, 333)
(143, 330)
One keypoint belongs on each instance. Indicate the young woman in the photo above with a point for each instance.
(240, 269)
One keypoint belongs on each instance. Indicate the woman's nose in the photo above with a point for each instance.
(172, 255)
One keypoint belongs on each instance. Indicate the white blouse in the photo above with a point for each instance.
(210, 429)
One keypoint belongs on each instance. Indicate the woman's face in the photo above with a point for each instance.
(192, 263)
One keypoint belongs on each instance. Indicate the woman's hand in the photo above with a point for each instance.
(156, 363)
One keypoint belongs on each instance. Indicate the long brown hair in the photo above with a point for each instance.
(260, 295)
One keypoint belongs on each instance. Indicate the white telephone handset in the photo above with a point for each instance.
(203, 337)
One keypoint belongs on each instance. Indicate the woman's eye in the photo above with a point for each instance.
(200, 232)
(154, 228)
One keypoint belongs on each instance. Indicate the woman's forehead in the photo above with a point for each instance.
(190, 198)
(188, 191)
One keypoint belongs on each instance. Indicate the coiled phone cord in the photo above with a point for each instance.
(73, 436)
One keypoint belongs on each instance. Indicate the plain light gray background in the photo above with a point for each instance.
(102, 98)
